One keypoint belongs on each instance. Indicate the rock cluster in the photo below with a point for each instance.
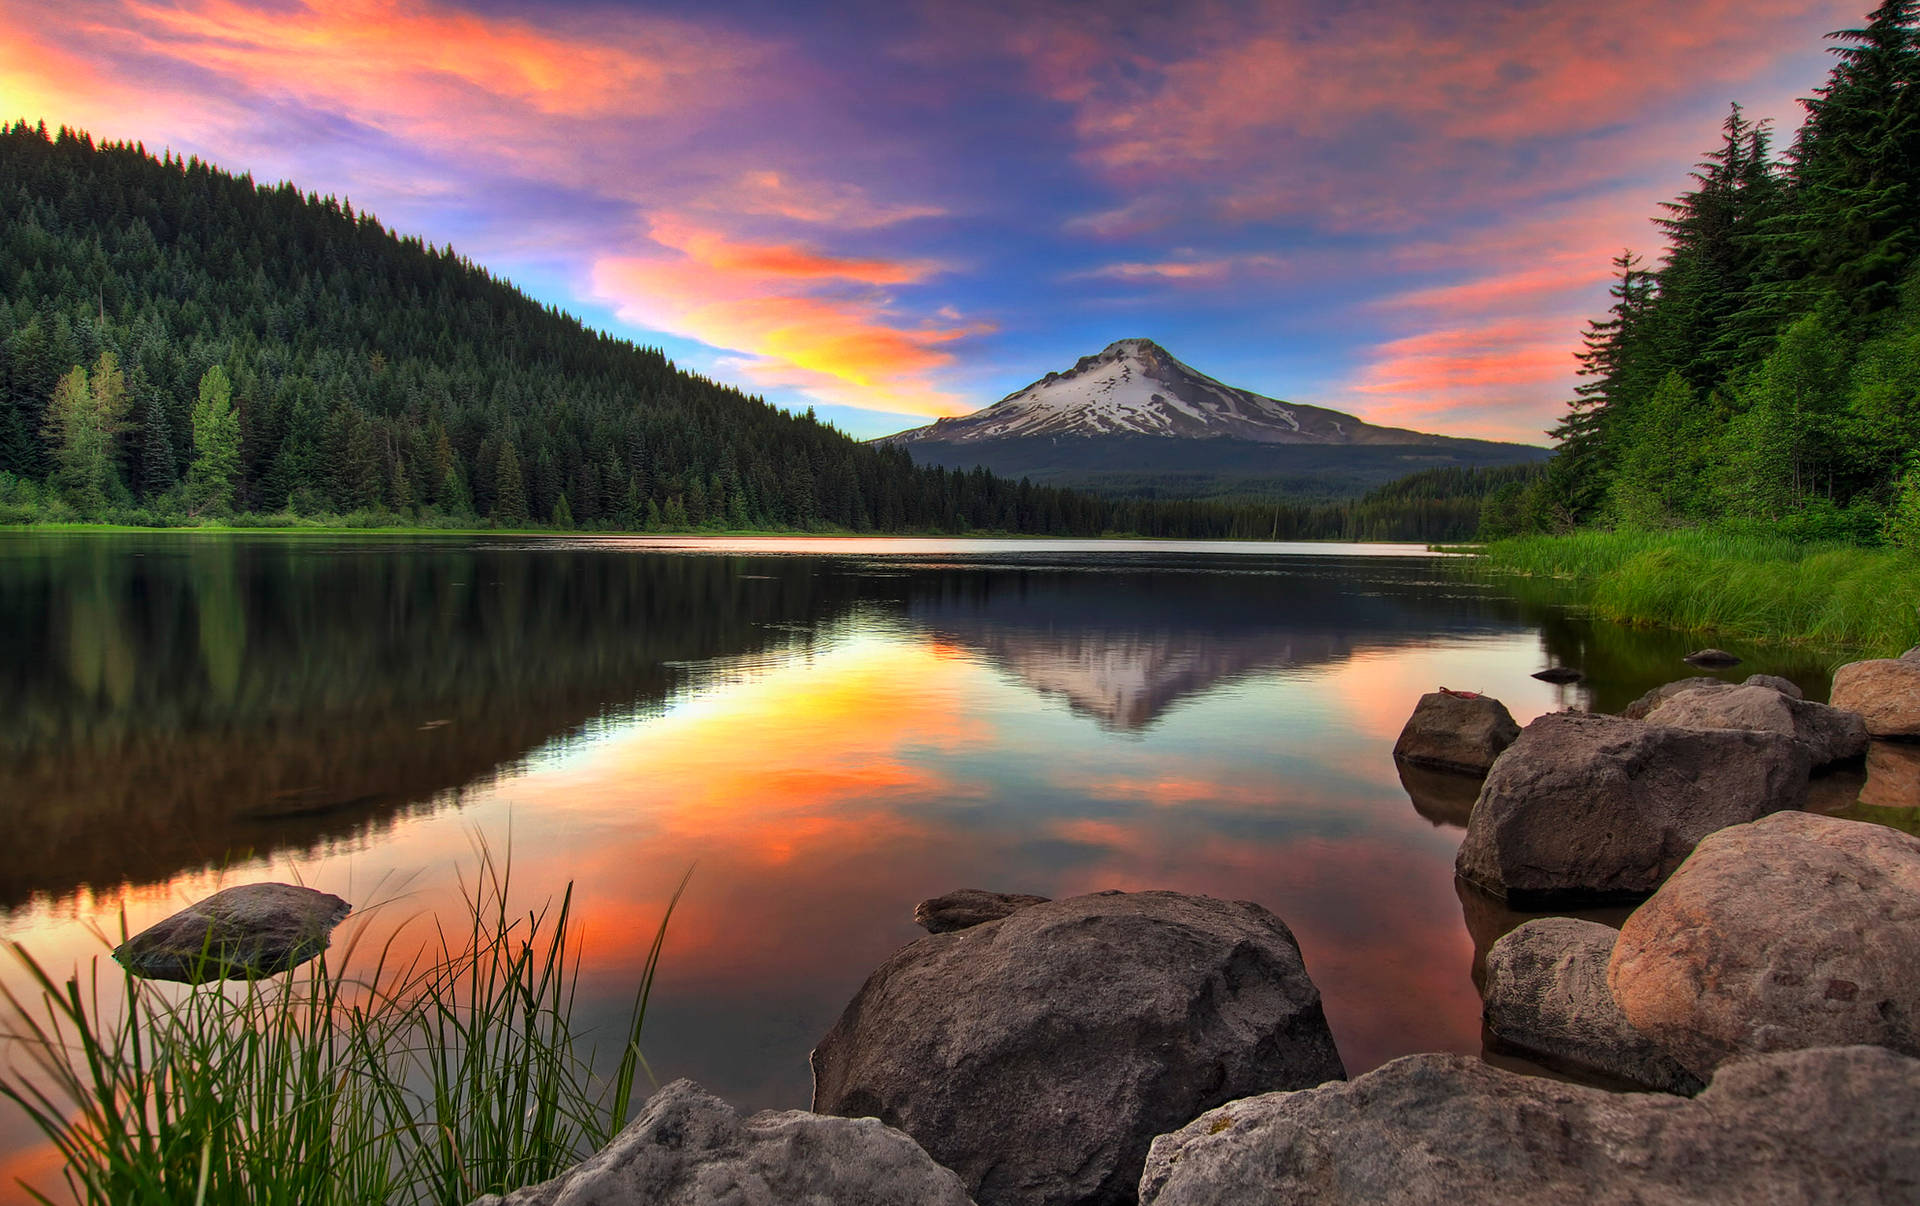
(1830, 734)
(1039, 1054)
(243, 933)
(1839, 1125)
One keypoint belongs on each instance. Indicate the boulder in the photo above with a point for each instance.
(1638, 709)
(1911, 655)
(1443, 797)
(1711, 657)
(968, 907)
(1822, 1128)
(1829, 734)
(1038, 1055)
(1785, 686)
(1457, 731)
(689, 1148)
(1547, 996)
(1885, 693)
(243, 933)
(1594, 809)
(1893, 776)
(1794, 931)
(1559, 674)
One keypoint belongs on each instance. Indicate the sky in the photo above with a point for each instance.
(899, 210)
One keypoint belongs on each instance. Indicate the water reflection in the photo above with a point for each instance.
(828, 739)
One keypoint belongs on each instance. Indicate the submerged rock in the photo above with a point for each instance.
(1794, 931)
(1885, 693)
(1838, 1126)
(1711, 657)
(1559, 674)
(969, 907)
(1038, 1055)
(1593, 809)
(1547, 996)
(689, 1148)
(243, 933)
(1456, 731)
(1830, 734)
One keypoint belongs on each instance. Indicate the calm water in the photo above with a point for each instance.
(828, 731)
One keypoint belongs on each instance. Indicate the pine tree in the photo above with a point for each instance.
(216, 446)
(510, 491)
(157, 464)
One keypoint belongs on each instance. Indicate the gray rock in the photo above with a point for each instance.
(1457, 731)
(1711, 657)
(689, 1148)
(242, 933)
(1885, 693)
(1547, 996)
(1559, 674)
(1795, 931)
(1785, 686)
(1594, 809)
(1829, 734)
(1835, 1127)
(1638, 709)
(968, 907)
(1038, 1055)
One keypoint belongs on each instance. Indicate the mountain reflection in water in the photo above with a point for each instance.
(829, 737)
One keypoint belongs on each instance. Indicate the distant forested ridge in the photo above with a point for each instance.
(178, 344)
(1766, 371)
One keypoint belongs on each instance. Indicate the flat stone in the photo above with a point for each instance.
(1830, 734)
(1885, 693)
(969, 907)
(1591, 809)
(243, 933)
(1038, 1055)
(1456, 731)
(689, 1148)
(1711, 657)
(1794, 931)
(1833, 1127)
(1547, 996)
(1559, 674)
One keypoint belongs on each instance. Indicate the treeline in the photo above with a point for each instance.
(1766, 372)
(179, 344)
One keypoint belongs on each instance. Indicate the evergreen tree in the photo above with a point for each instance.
(510, 492)
(216, 446)
(157, 465)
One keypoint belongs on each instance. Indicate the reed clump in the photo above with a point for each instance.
(1836, 597)
(434, 1079)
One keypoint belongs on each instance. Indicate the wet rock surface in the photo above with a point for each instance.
(1830, 734)
(1547, 996)
(689, 1148)
(1711, 657)
(1038, 1055)
(969, 907)
(1794, 931)
(1589, 809)
(1893, 775)
(1456, 731)
(1833, 1126)
(242, 933)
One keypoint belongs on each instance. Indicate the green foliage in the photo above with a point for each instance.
(83, 417)
(1831, 596)
(456, 1074)
(1903, 517)
(216, 445)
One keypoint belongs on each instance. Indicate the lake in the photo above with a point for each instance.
(825, 731)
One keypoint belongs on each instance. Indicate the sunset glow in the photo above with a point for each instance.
(889, 215)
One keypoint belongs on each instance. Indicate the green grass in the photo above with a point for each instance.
(457, 1073)
(1839, 598)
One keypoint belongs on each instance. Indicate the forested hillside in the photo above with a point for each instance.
(177, 343)
(1765, 372)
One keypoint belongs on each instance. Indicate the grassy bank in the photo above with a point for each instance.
(430, 1081)
(1840, 598)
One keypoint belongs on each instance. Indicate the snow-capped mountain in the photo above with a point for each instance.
(1135, 388)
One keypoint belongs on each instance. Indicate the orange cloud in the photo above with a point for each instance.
(767, 193)
(818, 322)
